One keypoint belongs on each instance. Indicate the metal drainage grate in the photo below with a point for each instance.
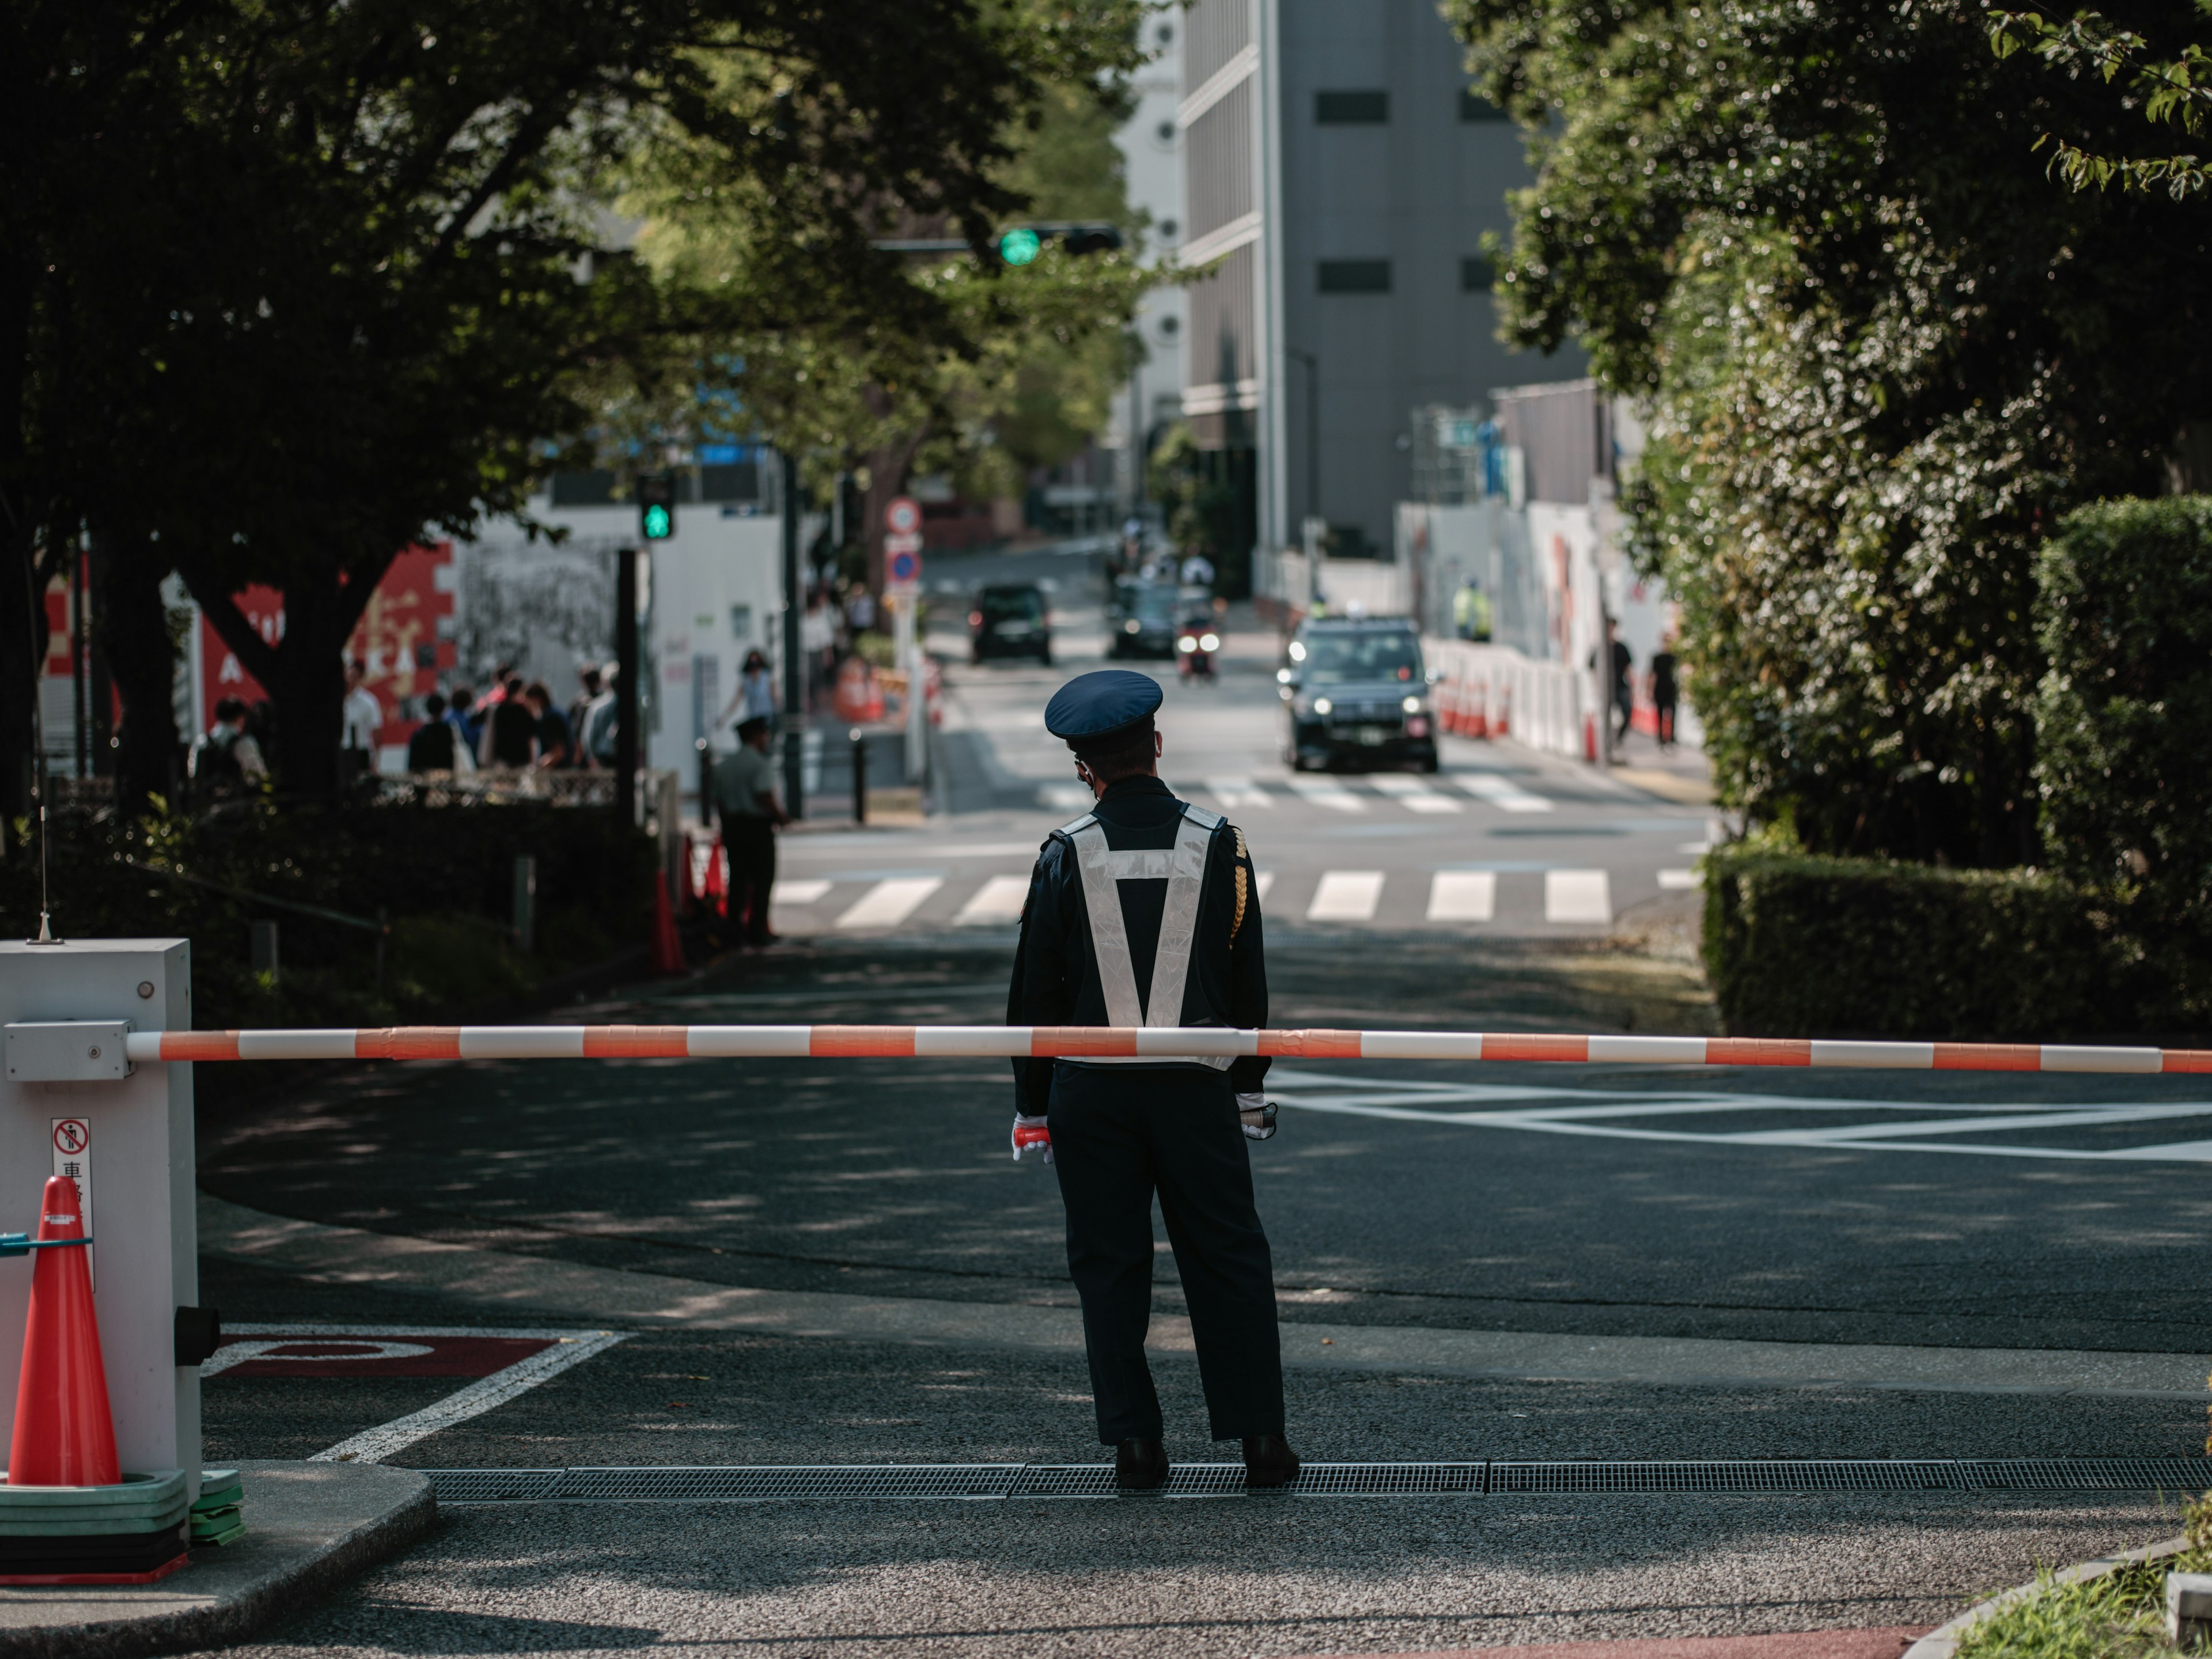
(819, 1483)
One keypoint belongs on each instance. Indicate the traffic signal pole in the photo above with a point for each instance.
(626, 687)
(794, 665)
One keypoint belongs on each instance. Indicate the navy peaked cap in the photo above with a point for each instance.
(1098, 704)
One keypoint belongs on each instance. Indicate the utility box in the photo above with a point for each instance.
(124, 1133)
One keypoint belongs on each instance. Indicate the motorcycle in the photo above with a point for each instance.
(1195, 644)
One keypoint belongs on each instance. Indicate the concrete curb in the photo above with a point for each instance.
(1943, 1641)
(311, 1527)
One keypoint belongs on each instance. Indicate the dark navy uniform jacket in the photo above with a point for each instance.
(1056, 977)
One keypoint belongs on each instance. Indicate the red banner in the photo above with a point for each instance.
(397, 636)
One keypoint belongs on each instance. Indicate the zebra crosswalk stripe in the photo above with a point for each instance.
(1327, 791)
(1577, 896)
(1463, 895)
(998, 900)
(1502, 793)
(1412, 794)
(891, 902)
(1237, 794)
(1346, 895)
(807, 891)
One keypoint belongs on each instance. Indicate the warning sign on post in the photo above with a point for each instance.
(72, 1139)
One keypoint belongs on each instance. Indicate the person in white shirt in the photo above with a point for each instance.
(363, 716)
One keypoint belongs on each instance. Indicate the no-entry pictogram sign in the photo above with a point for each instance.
(71, 1135)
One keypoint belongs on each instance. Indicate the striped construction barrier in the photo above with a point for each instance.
(1126, 1042)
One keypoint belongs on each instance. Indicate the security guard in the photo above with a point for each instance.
(1145, 911)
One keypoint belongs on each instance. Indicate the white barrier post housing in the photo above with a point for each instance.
(65, 1008)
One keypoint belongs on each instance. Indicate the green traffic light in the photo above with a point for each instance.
(658, 523)
(1018, 246)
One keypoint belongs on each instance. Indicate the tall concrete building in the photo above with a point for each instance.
(1152, 145)
(1339, 167)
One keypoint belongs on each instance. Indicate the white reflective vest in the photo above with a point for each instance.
(1183, 867)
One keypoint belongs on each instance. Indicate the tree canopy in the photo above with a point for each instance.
(1880, 351)
(285, 281)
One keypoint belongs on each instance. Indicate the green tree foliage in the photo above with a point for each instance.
(973, 368)
(292, 279)
(1881, 355)
(2164, 74)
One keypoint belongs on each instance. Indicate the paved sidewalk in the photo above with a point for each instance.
(1886, 1643)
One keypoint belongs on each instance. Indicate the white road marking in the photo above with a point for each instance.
(1236, 794)
(1502, 793)
(807, 891)
(374, 1445)
(1327, 791)
(1675, 881)
(1267, 880)
(1066, 797)
(1412, 794)
(998, 900)
(891, 901)
(1577, 896)
(1598, 1113)
(1463, 895)
(1346, 895)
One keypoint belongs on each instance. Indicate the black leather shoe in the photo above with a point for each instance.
(1140, 1465)
(1269, 1461)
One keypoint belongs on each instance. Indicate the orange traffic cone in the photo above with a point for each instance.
(64, 1430)
(668, 948)
(715, 893)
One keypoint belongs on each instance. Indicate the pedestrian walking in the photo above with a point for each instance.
(1624, 687)
(430, 749)
(555, 738)
(588, 678)
(1666, 691)
(510, 729)
(1145, 911)
(363, 716)
(755, 697)
(596, 731)
(225, 759)
(744, 798)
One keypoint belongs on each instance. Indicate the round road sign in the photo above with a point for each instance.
(903, 516)
(902, 569)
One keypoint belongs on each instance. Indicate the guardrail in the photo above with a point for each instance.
(1126, 1042)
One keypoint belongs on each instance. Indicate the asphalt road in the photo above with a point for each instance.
(1950, 1213)
(1501, 842)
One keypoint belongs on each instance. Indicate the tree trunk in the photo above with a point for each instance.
(887, 477)
(134, 636)
(304, 673)
(22, 605)
(22, 660)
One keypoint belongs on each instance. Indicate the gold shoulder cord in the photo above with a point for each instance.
(1242, 857)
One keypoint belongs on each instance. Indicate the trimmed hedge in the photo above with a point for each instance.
(2124, 718)
(1798, 945)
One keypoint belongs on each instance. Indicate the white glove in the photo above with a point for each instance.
(1257, 1114)
(1029, 1134)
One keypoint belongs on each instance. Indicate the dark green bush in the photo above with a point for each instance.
(1797, 945)
(442, 875)
(2123, 717)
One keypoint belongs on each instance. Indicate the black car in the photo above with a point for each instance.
(1355, 692)
(1010, 619)
(1143, 619)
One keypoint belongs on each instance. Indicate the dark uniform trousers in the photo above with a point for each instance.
(750, 843)
(1120, 1134)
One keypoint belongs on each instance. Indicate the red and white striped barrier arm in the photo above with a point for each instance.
(1123, 1042)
